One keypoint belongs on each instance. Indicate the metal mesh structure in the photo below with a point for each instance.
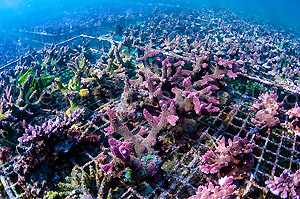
(276, 149)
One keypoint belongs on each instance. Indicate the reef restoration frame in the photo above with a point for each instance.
(275, 151)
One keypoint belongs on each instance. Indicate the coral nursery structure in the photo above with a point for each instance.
(192, 104)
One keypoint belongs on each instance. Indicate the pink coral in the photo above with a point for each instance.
(231, 74)
(236, 157)
(168, 115)
(223, 191)
(266, 118)
(191, 98)
(225, 63)
(293, 127)
(109, 130)
(294, 112)
(287, 185)
(269, 106)
(107, 168)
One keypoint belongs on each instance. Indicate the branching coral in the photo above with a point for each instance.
(293, 127)
(5, 154)
(236, 159)
(224, 190)
(116, 126)
(268, 110)
(117, 62)
(21, 100)
(18, 102)
(183, 60)
(78, 185)
(54, 61)
(105, 179)
(51, 141)
(80, 66)
(192, 99)
(121, 150)
(129, 104)
(287, 185)
(167, 116)
(72, 92)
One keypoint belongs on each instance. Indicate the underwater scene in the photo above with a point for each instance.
(149, 99)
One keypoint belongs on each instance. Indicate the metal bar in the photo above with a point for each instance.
(7, 188)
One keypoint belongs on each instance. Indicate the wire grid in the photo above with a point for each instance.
(8, 179)
(275, 150)
(43, 37)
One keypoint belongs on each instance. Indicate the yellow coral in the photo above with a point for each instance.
(83, 92)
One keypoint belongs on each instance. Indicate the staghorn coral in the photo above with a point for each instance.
(116, 126)
(5, 154)
(267, 110)
(130, 102)
(121, 150)
(224, 190)
(294, 112)
(235, 160)
(80, 66)
(79, 184)
(192, 99)
(102, 180)
(117, 62)
(18, 102)
(167, 116)
(55, 138)
(45, 150)
(293, 126)
(197, 50)
(72, 92)
(54, 62)
(286, 185)
(21, 100)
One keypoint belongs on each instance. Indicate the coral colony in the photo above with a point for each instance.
(193, 104)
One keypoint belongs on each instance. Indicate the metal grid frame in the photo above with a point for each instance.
(275, 150)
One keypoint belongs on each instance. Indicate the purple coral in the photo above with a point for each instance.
(121, 150)
(5, 153)
(287, 185)
(293, 127)
(235, 159)
(107, 168)
(50, 127)
(224, 191)
(191, 98)
(294, 112)
(269, 106)
(167, 116)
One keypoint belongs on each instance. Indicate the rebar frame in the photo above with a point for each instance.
(275, 149)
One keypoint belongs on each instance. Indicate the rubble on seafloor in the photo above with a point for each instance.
(194, 104)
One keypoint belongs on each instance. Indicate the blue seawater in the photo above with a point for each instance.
(16, 12)
(27, 14)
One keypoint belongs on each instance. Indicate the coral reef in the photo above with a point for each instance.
(235, 160)
(136, 113)
(225, 190)
(267, 110)
(286, 185)
(293, 126)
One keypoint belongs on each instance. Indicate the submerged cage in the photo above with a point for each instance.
(275, 148)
